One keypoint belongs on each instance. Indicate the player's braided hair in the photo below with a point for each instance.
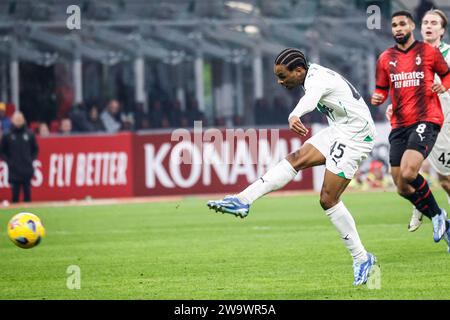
(292, 58)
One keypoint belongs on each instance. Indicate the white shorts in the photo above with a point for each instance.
(343, 156)
(439, 157)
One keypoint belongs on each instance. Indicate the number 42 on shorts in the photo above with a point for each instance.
(445, 161)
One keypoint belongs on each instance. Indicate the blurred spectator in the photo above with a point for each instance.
(237, 121)
(318, 117)
(262, 112)
(177, 115)
(377, 115)
(307, 119)
(65, 126)
(156, 115)
(141, 117)
(43, 130)
(94, 124)
(280, 112)
(127, 122)
(34, 126)
(194, 114)
(165, 122)
(111, 117)
(184, 122)
(219, 121)
(376, 177)
(79, 118)
(358, 182)
(423, 7)
(429, 174)
(19, 149)
(54, 126)
(5, 122)
(143, 124)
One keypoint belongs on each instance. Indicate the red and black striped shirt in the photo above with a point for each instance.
(409, 76)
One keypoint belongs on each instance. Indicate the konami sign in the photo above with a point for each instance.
(181, 162)
(189, 162)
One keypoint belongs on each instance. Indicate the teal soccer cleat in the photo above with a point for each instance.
(231, 205)
(361, 270)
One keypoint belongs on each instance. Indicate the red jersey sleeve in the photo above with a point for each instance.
(382, 84)
(382, 77)
(440, 66)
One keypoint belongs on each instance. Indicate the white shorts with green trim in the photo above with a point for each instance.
(439, 157)
(343, 155)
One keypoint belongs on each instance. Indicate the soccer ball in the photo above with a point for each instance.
(26, 230)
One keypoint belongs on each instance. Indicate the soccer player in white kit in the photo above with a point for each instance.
(434, 24)
(341, 147)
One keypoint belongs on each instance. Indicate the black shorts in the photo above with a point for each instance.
(420, 137)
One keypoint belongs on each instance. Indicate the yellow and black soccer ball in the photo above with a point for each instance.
(26, 230)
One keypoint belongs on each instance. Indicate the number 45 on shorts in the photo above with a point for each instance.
(337, 151)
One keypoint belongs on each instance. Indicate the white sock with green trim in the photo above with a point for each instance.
(344, 223)
(274, 179)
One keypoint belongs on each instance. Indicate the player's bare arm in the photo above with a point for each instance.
(438, 88)
(389, 112)
(377, 99)
(296, 125)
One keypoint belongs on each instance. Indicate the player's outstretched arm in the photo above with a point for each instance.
(307, 103)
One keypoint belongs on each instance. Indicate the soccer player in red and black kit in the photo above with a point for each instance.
(407, 70)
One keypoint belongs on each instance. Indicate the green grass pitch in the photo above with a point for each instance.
(285, 249)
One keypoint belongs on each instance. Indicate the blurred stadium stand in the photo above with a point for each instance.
(170, 62)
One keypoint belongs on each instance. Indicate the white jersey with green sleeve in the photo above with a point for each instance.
(439, 157)
(445, 97)
(334, 96)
